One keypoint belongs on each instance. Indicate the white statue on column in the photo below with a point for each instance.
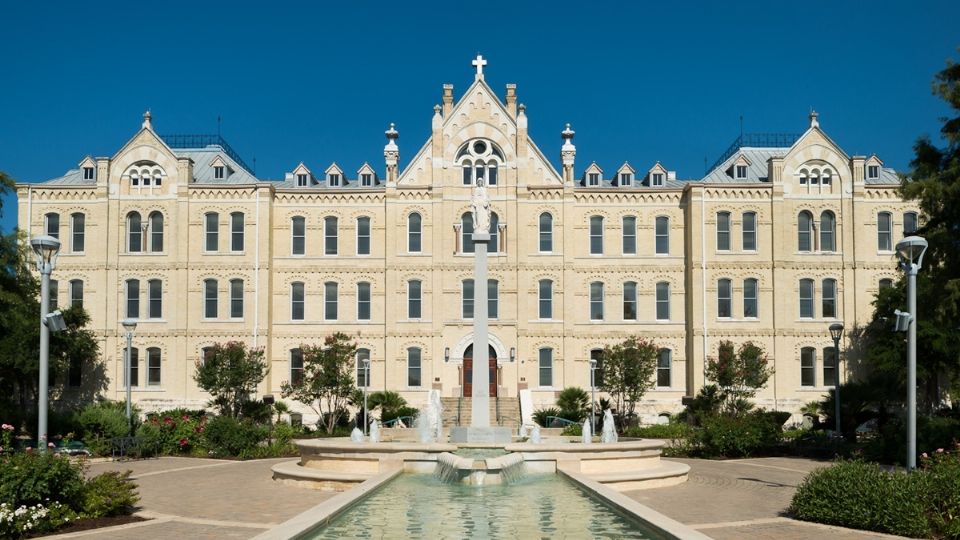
(481, 208)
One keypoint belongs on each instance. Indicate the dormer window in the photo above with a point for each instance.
(218, 172)
(366, 180)
(656, 179)
(873, 172)
(740, 172)
(593, 179)
(88, 173)
(333, 180)
(626, 179)
(302, 180)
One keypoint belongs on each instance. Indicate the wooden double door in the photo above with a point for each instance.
(468, 372)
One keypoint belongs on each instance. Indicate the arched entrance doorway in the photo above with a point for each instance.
(468, 371)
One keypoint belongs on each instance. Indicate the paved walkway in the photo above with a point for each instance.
(744, 498)
(191, 498)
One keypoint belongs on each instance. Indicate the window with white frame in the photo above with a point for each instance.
(414, 378)
(212, 231)
(804, 177)
(630, 301)
(88, 173)
(806, 299)
(330, 300)
(296, 367)
(663, 301)
(133, 299)
(480, 161)
(546, 367)
(51, 224)
(805, 231)
(466, 303)
(629, 235)
(301, 180)
(210, 299)
(593, 179)
(664, 363)
(884, 232)
(297, 301)
(828, 231)
(236, 298)
(873, 172)
(596, 235)
(155, 299)
(363, 235)
(828, 296)
(596, 301)
(749, 231)
(363, 368)
(77, 232)
(662, 235)
(656, 179)
(363, 301)
(76, 293)
(414, 233)
(741, 172)
(333, 180)
(723, 231)
(626, 179)
(156, 232)
(910, 222)
(330, 235)
(134, 233)
(236, 231)
(750, 308)
(545, 299)
(153, 366)
(808, 366)
(218, 172)
(366, 180)
(724, 299)
(298, 241)
(493, 246)
(829, 366)
(546, 233)
(414, 299)
(466, 232)
(493, 299)
(134, 368)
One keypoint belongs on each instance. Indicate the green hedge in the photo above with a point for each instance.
(736, 436)
(676, 430)
(227, 436)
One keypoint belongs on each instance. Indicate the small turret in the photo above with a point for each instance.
(391, 154)
(568, 152)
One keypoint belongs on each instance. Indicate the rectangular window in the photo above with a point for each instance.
(330, 301)
(414, 299)
(210, 294)
(625, 180)
(153, 366)
(298, 236)
(212, 232)
(236, 231)
(662, 233)
(133, 299)
(741, 171)
(596, 235)
(663, 301)
(78, 228)
(366, 179)
(724, 300)
(663, 368)
(297, 303)
(301, 180)
(657, 179)
(873, 172)
(884, 232)
(750, 298)
(629, 235)
(52, 225)
(630, 301)
(155, 299)
(749, 231)
(76, 293)
(236, 298)
(594, 179)
(546, 299)
(596, 301)
(493, 298)
(808, 366)
(363, 368)
(806, 298)
(218, 172)
(333, 180)
(829, 367)
(330, 235)
(363, 301)
(296, 367)
(413, 367)
(909, 223)
(492, 176)
(134, 367)
(467, 299)
(723, 231)
(546, 367)
(363, 236)
(88, 173)
(829, 298)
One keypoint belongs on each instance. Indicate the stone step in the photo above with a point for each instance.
(509, 411)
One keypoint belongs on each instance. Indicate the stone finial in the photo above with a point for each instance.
(146, 120)
(567, 135)
(813, 119)
(392, 133)
(437, 109)
(523, 109)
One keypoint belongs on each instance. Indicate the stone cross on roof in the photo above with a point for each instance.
(479, 62)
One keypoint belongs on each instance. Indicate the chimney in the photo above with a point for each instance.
(447, 99)
(512, 100)
(391, 154)
(567, 153)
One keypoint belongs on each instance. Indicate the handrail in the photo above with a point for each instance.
(459, 408)
(392, 422)
(552, 420)
(496, 401)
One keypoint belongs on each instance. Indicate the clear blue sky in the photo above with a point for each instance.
(319, 82)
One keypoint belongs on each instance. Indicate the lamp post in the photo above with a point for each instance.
(593, 401)
(46, 249)
(366, 384)
(910, 250)
(129, 325)
(836, 332)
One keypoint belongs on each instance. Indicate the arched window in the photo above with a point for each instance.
(724, 299)
(51, 224)
(133, 299)
(134, 368)
(466, 299)
(662, 235)
(723, 231)
(596, 301)
(155, 299)
(545, 362)
(884, 232)
(363, 235)
(156, 232)
(546, 233)
(466, 231)
(806, 298)
(236, 231)
(480, 159)
(153, 366)
(414, 299)
(829, 298)
(212, 232)
(414, 233)
(297, 301)
(596, 355)
(828, 229)
(630, 301)
(596, 235)
(76, 293)
(545, 298)
(210, 299)
(664, 362)
(629, 235)
(330, 300)
(134, 233)
(910, 223)
(330, 235)
(296, 367)
(808, 366)
(77, 232)
(805, 231)
(493, 246)
(804, 177)
(750, 307)
(298, 241)
(749, 231)
(829, 366)
(493, 299)
(363, 301)
(414, 375)
(663, 301)
(886, 283)
(363, 368)
(236, 298)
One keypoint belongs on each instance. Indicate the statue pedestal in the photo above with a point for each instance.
(481, 435)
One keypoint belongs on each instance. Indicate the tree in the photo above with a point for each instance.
(934, 182)
(230, 373)
(739, 375)
(628, 370)
(327, 382)
(574, 403)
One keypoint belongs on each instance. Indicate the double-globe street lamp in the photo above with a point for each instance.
(836, 332)
(129, 325)
(46, 249)
(910, 250)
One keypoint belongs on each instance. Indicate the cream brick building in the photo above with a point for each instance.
(785, 235)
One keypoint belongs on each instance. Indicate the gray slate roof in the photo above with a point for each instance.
(757, 169)
(73, 177)
(203, 170)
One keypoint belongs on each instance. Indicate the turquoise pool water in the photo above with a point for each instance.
(538, 506)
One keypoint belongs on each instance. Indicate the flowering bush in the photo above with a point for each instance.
(37, 518)
(6, 437)
(173, 433)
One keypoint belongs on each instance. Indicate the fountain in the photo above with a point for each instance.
(609, 432)
(587, 434)
(356, 435)
(374, 431)
(535, 434)
(429, 422)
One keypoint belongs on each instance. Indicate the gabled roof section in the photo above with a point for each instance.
(334, 169)
(756, 160)
(205, 159)
(87, 162)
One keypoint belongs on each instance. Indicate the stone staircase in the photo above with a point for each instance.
(509, 412)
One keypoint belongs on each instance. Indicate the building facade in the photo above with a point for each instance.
(785, 235)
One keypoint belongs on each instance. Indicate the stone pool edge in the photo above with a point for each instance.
(665, 525)
(308, 521)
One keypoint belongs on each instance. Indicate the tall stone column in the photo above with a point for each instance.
(480, 407)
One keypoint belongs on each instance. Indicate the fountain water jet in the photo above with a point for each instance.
(374, 431)
(587, 434)
(535, 435)
(356, 435)
(609, 432)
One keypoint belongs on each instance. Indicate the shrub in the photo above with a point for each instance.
(20, 521)
(33, 478)
(705, 404)
(574, 403)
(736, 436)
(675, 430)
(101, 422)
(572, 430)
(940, 476)
(173, 432)
(227, 436)
(540, 415)
(863, 496)
(109, 494)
